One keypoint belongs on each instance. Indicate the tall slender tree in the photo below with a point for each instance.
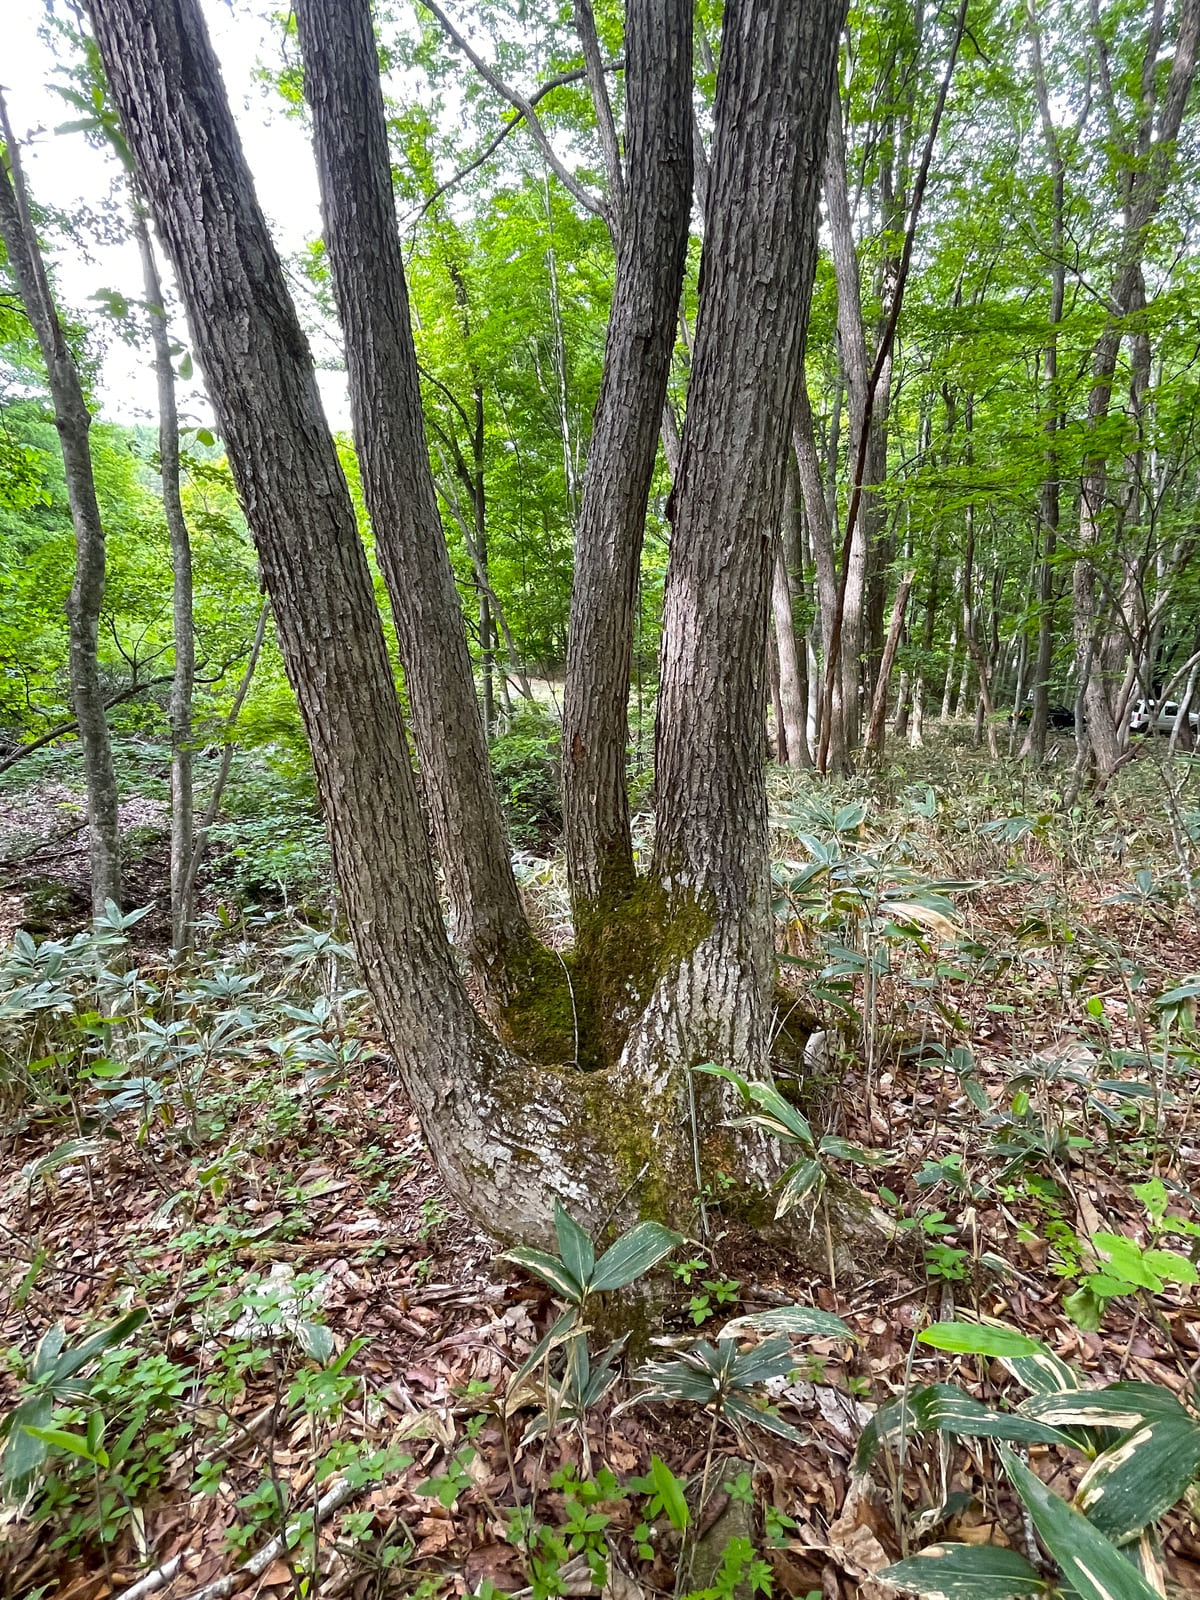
(73, 421)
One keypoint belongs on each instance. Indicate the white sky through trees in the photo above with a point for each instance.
(66, 174)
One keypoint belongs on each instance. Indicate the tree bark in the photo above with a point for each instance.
(73, 422)
(508, 1136)
(710, 852)
(629, 415)
(341, 81)
(1146, 168)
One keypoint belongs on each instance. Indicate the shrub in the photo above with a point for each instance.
(525, 761)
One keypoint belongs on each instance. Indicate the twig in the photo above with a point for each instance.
(515, 121)
(525, 107)
(332, 1500)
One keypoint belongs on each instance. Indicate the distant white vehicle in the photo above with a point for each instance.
(1142, 717)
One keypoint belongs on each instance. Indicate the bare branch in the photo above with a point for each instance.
(589, 201)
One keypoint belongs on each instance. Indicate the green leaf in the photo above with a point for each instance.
(669, 1490)
(843, 1150)
(1128, 1261)
(185, 366)
(965, 1572)
(24, 1451)
(574, 1245)
(1091, 1564)
(79, 1355)
(799, 1181)
(804, 1321)
(205, 436)
(634, 1253)
(74, 1444)
(1044, 1373)
(944, 1409)
(1120, 1405)
(778, 1110)
(548, 1268)
(1138, 1479)
(316, 1340)
(977, 1339)
(740, 1410)
(1171, 1266)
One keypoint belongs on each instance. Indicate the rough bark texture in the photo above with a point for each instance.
(341, 83)
(508, 1136)
(179, 712)
(629, 416)
(73, 422)
(756, 274)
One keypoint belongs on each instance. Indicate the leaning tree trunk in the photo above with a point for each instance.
(341, 83)
(710, 850)
(650, 262)
(73, 422)
(179, 714)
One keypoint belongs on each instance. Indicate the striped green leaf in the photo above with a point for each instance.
(1091, 1564)
(965, 1572)
(1138, 1479)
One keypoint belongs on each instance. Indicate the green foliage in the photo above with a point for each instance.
(525, 760)
(1144, 1450)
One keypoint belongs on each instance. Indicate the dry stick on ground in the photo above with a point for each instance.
(881, 356)
(332, 1500)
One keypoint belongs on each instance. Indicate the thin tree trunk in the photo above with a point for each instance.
(179, 714)
(629, 415)
(793, 696)
(212, 811)
(878, 722)
(341, 82)
(73, 422)
(1145, 169)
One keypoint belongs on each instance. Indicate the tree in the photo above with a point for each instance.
(73, 421)
(683, 970)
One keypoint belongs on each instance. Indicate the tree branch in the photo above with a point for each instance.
(589, 201)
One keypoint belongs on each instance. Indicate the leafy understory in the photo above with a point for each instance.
(234, 1293)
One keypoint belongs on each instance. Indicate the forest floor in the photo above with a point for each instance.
(1004, 999)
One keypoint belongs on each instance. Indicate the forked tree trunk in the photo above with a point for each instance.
(73, 422)
(652, 248)
(509, 1136)
(341, 83)
(179, 714)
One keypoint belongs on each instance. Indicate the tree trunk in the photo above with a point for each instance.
(793, 696)
(73, 422)
(1146, 159)
(629, 415)
(876, 730)
(710, 850)
(179, 713)
(509, 1136)
(341, 81)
